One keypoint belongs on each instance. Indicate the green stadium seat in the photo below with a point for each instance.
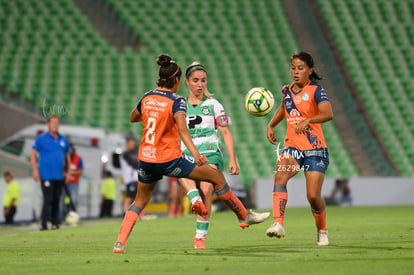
(381, 52)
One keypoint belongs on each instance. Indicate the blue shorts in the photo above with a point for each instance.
(179, 168)
(309, 160)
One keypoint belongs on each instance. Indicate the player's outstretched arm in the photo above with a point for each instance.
(188, 141)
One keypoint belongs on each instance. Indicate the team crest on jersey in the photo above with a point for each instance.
(205, 110)
(305, 96)
(62, 143)
(294, 112)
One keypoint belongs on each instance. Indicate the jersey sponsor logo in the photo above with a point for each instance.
(305, 97)
(287, 96)
(297, 99)
(194, 120)
(149, 152)
(151, 101)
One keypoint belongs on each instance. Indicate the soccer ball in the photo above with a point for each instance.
(259, 101)
(72, 218)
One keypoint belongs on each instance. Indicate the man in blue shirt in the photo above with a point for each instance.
(50, 153)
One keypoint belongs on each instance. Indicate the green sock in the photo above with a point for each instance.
(193, 195)
(202, 229)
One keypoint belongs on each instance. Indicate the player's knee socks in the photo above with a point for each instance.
(320, 219)
(280, 197)
(227, 196)
(193, 195)
(131, 217)
(202, 229)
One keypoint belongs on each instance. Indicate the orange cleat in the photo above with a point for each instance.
(199, 243)
(199, 208)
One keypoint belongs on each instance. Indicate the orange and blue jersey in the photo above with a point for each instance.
(298, 106)
(160, 141)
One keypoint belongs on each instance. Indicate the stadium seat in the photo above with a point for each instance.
(379, 62)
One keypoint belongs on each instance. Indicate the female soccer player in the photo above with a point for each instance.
(305, 105)
(163, 113)
(204, 116)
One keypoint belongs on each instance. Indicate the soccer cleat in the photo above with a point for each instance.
(276, 230)
(199, 243)
(199, 208)
(253, 218)
(119, 248)
(322, 238)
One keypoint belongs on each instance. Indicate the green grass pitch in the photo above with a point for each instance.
(364, 240)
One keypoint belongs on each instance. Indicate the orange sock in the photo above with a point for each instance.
(227, 196)
(280, 197)
(320, 219)
(131, 217)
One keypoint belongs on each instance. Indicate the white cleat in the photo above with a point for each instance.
(322, 238)
(253, 218)
(276, 230)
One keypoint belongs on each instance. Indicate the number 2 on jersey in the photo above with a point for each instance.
(150, 135)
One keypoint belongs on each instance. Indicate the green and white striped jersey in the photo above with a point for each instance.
(202, 122)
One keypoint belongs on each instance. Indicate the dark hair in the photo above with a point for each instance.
(307, 58)
(107, 173)
(7, 174)
(168, 72)
(131, 138)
